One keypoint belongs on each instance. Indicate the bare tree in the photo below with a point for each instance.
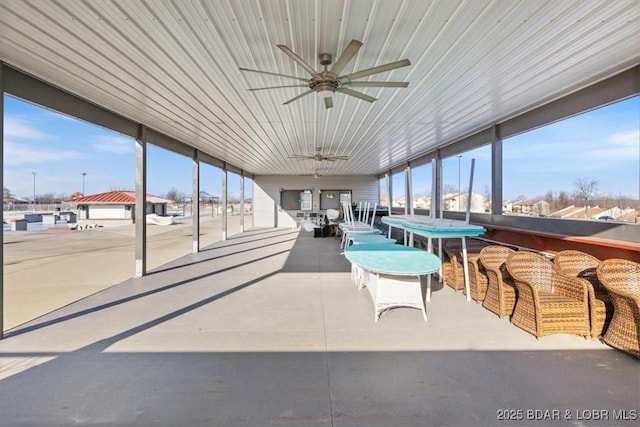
(174, 194)
(450, 189)
(564, 200)
(584, 190)
(46, 198)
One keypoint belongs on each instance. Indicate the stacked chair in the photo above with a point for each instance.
(361, 225)
(500, 297)
(548, 302)
(621, 278)
(583, 266)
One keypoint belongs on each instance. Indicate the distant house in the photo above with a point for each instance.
(527, 207)
(579, 212)
(116, 205)
(458, 202)
(10, 201)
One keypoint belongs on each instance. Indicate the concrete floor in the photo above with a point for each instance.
(50, 269)
(266, 328)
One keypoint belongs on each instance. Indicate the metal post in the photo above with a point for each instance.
(223, 222)
(195, 202)
(140, 214)
(2, 182)
(84, 174)
(34, 190)
(242, 202)
(459, 189)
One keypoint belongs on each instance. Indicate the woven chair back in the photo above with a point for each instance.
(575, 263)
(531, 267)
(494, 256)
(620, 275)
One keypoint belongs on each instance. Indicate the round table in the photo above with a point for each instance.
(393, 274)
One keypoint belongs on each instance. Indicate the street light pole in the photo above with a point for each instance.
(459, 156)
(34, 190)
(84, 174)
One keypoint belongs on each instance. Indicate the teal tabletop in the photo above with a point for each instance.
(393, 259)
(358, 239)
(434, 227)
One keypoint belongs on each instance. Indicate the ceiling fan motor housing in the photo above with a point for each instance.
(321, 85)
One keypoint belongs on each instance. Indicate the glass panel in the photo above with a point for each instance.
(583, 167)
(210, 209)
(50, 162)
(233, 203)
(398, 191)
(421, 179)
(248, 203)
(456, 171)
(383, 199)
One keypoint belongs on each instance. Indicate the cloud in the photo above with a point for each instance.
(619, 146)
(112, 144)
(16, 154)
(20, 127)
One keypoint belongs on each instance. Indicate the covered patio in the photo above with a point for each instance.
(266, 328)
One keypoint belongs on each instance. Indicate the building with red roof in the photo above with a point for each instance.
(116, 205)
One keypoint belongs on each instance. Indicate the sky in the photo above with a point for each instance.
(601, 145)
(60, 149)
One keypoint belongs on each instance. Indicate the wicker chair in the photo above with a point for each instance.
(548, 302)
(454, 272)
(583, 266)
(501, 292)
(622, 279)
(478, 280)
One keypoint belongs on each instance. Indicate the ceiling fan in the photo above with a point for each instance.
(316, 173)
(318, 156)
(326, 82)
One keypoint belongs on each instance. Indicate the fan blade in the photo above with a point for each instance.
(375, 70)
(300, 156)
(299, 60)
(298, 97)
(276, 87)
(328, 102)
(274, 74)
(356, 94)
(346, 56)
(376, 84)
(337, 157)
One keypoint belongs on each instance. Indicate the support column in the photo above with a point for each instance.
(496, 171)
(224, 203)
(438, 186)
(140, 212)
(408, 190)
(195, 202)
(2, 182)
(242, 202)
(387, 178)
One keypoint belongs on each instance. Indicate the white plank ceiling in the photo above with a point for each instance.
(174, 66)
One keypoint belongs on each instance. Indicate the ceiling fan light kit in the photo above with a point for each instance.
(327, 82)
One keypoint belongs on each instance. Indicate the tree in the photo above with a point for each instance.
(563, 200)
(584, 189)
(450, 189)
(174, 195)
(6, 192)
